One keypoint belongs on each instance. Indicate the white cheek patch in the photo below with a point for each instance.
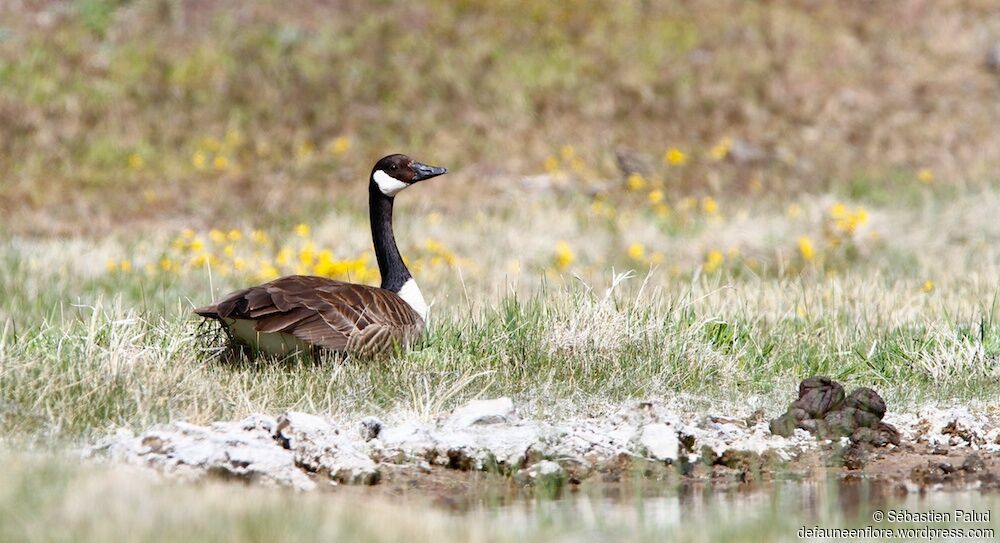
(410, 294)
(388, 184)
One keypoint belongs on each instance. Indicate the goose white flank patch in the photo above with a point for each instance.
(300, 312)
(410, 293)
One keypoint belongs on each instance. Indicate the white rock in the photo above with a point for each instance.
(319, 446)
(190, 451)
(480, 412)
(545, 467)
(659, 441)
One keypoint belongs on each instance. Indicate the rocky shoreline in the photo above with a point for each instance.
(935, 447)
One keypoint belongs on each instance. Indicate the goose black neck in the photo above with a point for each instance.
(390, 263)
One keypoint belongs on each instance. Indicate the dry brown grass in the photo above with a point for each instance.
(853, 97)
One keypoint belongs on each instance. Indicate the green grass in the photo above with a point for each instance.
(81, 371)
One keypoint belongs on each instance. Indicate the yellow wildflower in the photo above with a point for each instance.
(564, 255)
(307, 254)
(197, 245)
(211, 144)
(636, 182)
(199, 160)
(794, 211)
(234, 235)
(220, 163)
(302, 230)
(567, 152)
(284, 256)
(709, 205)
(675, 157)
(657, 258)
(806, 248)
(552, 164)
(166, 264)
(260, 237)
(433, 245)
(111, 265)
(229, 250)
(655, 196)
(720, 150)
(267, 271)
(340, 145)
(838, 211)
(202, 259)
(305, 150)
(636, 251)
(598, 207)
(925, 176)
(714, 260)
(136, 162)
(927, 287)
(217, 236)
(125, 265)
(663, 210)
(845, 220)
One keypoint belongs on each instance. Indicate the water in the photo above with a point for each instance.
(780, 510)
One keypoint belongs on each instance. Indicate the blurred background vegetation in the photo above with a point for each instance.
(126, 113)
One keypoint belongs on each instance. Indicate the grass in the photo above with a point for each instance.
(85, 351)
(239, 107)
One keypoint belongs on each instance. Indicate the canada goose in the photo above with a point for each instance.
(301, 313)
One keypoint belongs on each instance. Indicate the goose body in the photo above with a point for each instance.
(302, 313)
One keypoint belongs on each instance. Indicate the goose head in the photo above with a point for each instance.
(394, 173)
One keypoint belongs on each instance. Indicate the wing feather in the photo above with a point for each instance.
(332, 314)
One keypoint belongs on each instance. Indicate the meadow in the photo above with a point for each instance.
(646, 200)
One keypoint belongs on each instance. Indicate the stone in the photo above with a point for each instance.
(973, 463)
(370, 428)
(658, 441)
(482, 412)
(225, 450)
(320, 447)
(784, 425)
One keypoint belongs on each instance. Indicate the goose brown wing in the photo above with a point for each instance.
(324, 312)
